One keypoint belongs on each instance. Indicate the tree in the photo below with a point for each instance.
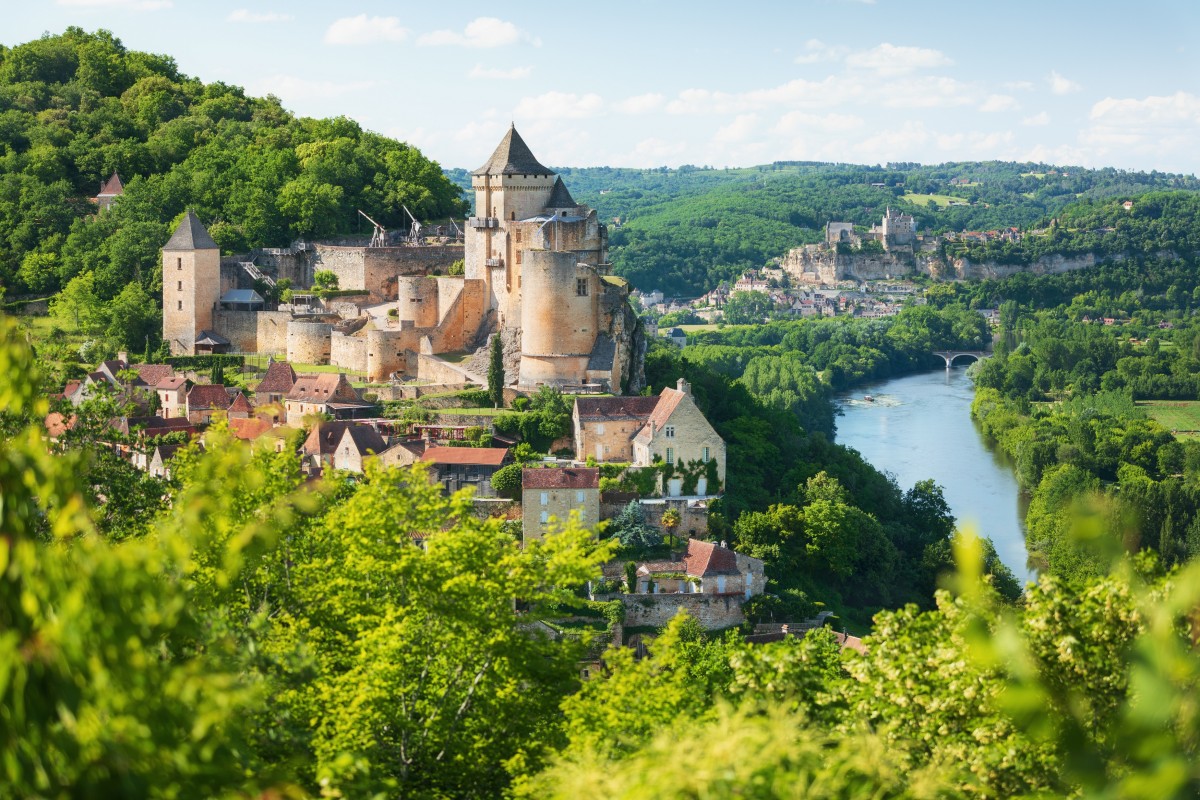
(133, 318)
(324, 279)
(747, 308)
(495, 374)
(670, 521)
(506, 481)
(78, 306)
(630, 528)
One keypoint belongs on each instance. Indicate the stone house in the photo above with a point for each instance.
(605, 426)
(172, 396)
(240, 407)
(705, 568)
(203, 399)
(276, 384)
(159, 466)
(461, 467)
(357, 443)
(403, 454)
(550, 495)
(318, 394)
(316, 452)
(678, 434)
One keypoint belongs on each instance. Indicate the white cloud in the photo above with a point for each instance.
(292, 88)
(481, 72)
(1018, 86)
(641, 104)
(560, 105)
(126, 5)
(246, 15)
(365, 30)
(897, 60)
(1181, 108)
(742, 127)
(1062, 85)
(480, 32)
(999, 102)
(816, 51)
(1041, 118)
(926, 92)
(800, 122)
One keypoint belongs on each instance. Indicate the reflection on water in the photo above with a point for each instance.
(920, 427)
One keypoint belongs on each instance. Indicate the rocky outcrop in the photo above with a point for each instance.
(819, 265)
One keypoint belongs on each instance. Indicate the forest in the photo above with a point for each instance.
(78, 106)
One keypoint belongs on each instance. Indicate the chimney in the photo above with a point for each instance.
(683, 386)
(123, 357)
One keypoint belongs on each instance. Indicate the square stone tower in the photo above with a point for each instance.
(191, 284)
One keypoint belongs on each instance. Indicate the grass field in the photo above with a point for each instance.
(942, 200)
(1181, 417)
(693, 328)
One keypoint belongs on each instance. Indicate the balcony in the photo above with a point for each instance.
(483, 222)
(493, 262)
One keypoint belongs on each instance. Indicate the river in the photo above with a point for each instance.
(920, 427)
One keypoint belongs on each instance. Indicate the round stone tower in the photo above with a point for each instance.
(558, 317)
(418, 300)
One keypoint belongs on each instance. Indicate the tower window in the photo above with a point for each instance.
(180, 306)
(179, 263)
(581, 287)
(512, 215)
(179, 285)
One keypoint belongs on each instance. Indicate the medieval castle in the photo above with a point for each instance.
(536, 273)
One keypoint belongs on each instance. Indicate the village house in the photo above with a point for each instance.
(357, 443)
(276, 384)
(605, 426)
(462, 467)
(705, 568)
(172, 396)
(203, 400)
(550, 494)
(326, 393)
(160, 466)
(678, 434)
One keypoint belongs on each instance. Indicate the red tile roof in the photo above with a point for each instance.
(324, 438)
(171, 383)
(321, 388)
(561, 478)
(708, 558)
(481, 456)
(112, 185)
(249, 428)
(241, 405)
(365, 439)
(207, 395)
(280, 379)
(153, 374)
(602, 409)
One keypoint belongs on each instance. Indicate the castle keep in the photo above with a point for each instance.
(536, 273)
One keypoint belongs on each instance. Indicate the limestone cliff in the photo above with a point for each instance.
(819, 265)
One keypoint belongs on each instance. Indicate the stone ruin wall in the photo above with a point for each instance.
(712, 611)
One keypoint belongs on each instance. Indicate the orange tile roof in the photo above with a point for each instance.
(561, 478)
(482, 456)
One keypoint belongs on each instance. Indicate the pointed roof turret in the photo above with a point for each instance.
(560, 197)
(513, 157)
(112, 186)
(190, 235)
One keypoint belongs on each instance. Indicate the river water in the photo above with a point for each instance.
(920, 426)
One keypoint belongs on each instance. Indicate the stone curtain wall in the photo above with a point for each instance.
(376, 269)
(712, 611)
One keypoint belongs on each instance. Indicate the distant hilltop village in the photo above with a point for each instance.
(535, 273)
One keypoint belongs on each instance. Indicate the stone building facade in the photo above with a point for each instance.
(191, 263)
(549, 496)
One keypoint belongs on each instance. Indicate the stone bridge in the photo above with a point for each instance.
(950, 355)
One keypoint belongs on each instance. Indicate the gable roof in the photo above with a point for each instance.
(190, 235)
(561, 478)
(207, 395)
(211, 338)
(112, 186)
(605, 409)
(171, 382)
(668, 401)
(513, 157)
(249, 428)
(320, 388)
(280, 378)
(324, 438)
(153, 374)
(478, 456)
(560, 197)
(241, 405)
(709, 558)
(364, 439)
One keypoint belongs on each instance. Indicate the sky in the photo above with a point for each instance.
(642, 84)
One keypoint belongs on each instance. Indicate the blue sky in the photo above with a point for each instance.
(727, 84)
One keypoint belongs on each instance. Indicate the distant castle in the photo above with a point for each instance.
(536, 273)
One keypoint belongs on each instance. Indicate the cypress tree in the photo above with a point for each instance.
(495, 374)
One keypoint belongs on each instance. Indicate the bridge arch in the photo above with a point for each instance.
(949, 356)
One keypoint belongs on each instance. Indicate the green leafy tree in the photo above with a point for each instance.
(506, 481)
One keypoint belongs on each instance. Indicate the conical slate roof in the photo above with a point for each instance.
(513, 157)
(190, 235)
(112, 186)
(560, 197)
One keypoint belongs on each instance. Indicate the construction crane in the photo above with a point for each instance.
(414, 233)
(379, 237)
